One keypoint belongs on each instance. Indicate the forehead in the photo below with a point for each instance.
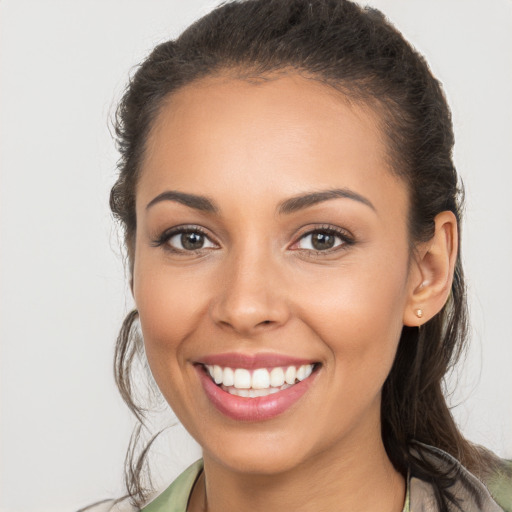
(268, 138)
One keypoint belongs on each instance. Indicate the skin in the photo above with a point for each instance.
(256, 286)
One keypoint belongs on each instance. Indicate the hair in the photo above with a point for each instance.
(359, 53)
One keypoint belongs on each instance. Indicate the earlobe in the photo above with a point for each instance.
(432, 277)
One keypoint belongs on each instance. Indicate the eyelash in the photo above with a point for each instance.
(346, 238)
(179, 230)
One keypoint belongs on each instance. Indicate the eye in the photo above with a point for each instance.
(185, 239)
(190, 241)
(323, 240)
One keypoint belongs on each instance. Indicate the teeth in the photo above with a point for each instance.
(217, 374)
(242, 378)
(276, 377)
(259, 382)
(304, 371)
(290, 374)
(228, 378)
(253, 393)
(260, 379)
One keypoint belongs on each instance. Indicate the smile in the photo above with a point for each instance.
(255, 388)
(259, 381)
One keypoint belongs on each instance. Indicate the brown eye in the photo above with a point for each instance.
(189, 240)
(192, 241)
(321, 240)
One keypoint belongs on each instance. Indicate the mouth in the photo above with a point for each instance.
(255, 388)
(258, 382)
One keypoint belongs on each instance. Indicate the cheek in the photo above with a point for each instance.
(358, 313)
(359, 319)
(169, 304)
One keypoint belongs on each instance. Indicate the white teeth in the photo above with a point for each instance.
(242, 378)
(260, 379)
(217, 374)
(253, 393)
(258, 382)
(276, 377)
(304, 371)
(228, 378)
(290, 374)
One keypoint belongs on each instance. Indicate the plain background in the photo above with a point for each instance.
(63, 66)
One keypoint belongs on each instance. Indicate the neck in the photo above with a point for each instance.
(341, 479)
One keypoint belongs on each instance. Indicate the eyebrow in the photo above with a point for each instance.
(291, 205)
(306, 200)
(197, 202)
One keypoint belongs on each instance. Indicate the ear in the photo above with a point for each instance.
(432, 272)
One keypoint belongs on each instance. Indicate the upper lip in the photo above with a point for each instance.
(252, 361)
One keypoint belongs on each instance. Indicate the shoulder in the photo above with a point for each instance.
(493, 494)
(499, 483)
(110, 506)
(175, 497)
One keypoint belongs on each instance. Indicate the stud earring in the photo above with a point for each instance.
(419, 313)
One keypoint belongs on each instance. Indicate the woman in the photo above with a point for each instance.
(291, 215)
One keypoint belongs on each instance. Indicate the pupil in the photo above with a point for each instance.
(322, 241)
(192, 241)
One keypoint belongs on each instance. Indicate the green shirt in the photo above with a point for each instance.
(472, 495)
(175, 497)
(496, 497)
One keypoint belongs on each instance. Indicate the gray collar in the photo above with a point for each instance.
(471, 493)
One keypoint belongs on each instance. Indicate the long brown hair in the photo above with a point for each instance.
(359, 53)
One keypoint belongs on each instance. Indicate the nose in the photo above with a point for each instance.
(252, 296)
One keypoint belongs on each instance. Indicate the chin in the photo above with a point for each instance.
(258, 462)
(261, 451)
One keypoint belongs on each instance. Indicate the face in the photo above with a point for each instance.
(271, 269)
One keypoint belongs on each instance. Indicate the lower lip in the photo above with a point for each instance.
(253, 409)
